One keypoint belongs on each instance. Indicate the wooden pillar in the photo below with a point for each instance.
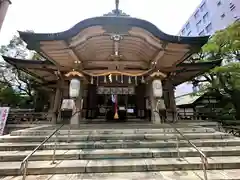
(140, 100)
(51, 101)
(55, 105)
(92, 101)
(51, 105)
(169, 90)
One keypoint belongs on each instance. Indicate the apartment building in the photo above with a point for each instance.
(210, 16)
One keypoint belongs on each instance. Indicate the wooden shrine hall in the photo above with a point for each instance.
(116, 58)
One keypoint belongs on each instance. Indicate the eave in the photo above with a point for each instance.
(188, 71)
(32, 38)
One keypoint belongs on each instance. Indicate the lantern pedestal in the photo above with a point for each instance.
(76, 92)
(155, 94)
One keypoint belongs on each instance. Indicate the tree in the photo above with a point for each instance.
(8, 96)
(224, 80)
(16, 81)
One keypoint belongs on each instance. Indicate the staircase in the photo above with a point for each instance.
(121, 151)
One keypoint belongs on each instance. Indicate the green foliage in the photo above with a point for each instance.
(228, 76)
(224, 44)
(224, 80)
(15, 82)
(8, 96)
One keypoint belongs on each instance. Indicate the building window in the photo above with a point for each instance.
(188, 26)
(183, 31)
(198, 24)
(209, 28)
(205, 17)
(203, 7)
(219, 3)
(189, 34)
(202, 33)
(223, 15)
(196, 15)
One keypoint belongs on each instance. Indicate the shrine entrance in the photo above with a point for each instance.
(126, 102)
(102, 102)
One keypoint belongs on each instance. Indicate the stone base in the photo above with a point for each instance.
(75, 119)
(156, 118)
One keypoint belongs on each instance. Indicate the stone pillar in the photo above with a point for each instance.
(77, 111)
(155, 117)
(4, 4)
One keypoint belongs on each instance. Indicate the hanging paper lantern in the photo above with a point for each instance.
(121, 78)
(157, 88)
(74, 88)
(116, 77)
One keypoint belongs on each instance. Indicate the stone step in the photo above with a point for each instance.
(99, 137)
(119, 165)
(113, 144)
(126, 125)
(112, 131)
(163, 175)
(119, 153)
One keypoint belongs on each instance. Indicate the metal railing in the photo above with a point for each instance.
(24, 163)
(203, 157)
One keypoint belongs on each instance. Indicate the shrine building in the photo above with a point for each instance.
(116, 58)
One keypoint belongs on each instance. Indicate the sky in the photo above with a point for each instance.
(49, 16)
(46, 16)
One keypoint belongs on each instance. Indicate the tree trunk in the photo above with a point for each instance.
(236, 102)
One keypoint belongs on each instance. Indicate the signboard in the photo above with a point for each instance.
(3, 118)
(115, 90)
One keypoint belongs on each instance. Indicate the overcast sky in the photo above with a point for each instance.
(46, 16)
(59, 15)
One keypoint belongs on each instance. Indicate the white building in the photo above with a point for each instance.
(210, 16)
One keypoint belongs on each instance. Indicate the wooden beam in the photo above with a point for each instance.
(96, 72)
(147, 38)
(177, 50)
(75, 56)
(155, 61)
(111, 63)
(54, 62)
